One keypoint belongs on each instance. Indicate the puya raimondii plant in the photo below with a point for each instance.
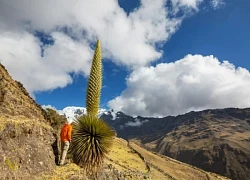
(92, 137)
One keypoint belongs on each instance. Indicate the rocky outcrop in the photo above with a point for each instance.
(25, 136)
(15, 100)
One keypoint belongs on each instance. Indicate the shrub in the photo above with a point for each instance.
(92, 137)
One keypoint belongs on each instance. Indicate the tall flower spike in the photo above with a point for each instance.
(95, 82)
(92, 137)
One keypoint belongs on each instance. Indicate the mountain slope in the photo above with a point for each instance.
(130, 161)
(26, 140)
(214, 140)
(25, 136)
(15, 100)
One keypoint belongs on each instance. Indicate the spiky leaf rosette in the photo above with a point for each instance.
(91, 139)
(95, 82)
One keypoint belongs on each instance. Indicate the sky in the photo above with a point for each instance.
(160, 57)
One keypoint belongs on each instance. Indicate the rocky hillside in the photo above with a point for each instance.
(15, 100)
(213, 140)
(25, 136)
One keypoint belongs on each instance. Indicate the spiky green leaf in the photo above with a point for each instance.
(91, 139)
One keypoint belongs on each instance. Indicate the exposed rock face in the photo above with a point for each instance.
(214, 140)
(15, 100)
(25, 136)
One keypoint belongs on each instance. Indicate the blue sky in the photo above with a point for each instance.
(74, 94)
(221, 30)
(223, 33)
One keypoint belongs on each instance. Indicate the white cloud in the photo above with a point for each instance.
(136, 123)
(187, 5)
(216, 4)
(21, 54)
(193, 83)
(129, 39)
(49, 107)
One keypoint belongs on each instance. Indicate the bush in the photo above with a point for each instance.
(91, 139)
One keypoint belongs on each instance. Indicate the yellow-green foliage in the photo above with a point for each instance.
(11, 165)
(22, 121)
(92, 138)
(69, 171)
(95, 82)
(125, 157)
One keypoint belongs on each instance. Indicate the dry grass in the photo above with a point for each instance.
(18, 121)
(15, 100)
(174, 168)
(69, 171)
(124, 159)
(156, 175)
(122, 156)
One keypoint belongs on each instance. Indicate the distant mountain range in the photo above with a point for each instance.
(216, 140)
(29, 145)
(72, 112)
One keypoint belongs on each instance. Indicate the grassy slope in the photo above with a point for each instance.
(174, 168)
(134, 162)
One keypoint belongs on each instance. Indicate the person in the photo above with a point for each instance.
(65, 136)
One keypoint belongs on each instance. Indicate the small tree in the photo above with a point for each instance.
(92, 137)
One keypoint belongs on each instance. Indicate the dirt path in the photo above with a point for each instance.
(171, 168)
(149, 165)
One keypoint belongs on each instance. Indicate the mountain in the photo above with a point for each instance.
(28, 146)
(72, 112)
(206, 139)
(25, 135)
(128, 161)
(214, 140)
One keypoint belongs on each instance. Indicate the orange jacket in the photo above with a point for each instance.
(66, 133)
